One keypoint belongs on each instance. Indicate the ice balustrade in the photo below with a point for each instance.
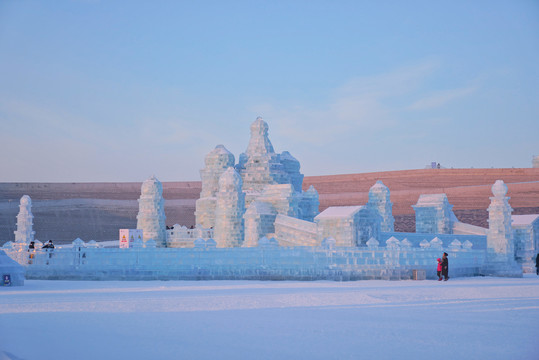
(397, 260)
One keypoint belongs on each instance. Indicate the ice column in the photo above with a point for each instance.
(229, 210)
(24, 233)
(500, 232)
(151, 213)
(379, 200)
(500, 243)
(216, 163)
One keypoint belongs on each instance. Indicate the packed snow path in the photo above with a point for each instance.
(464, 318)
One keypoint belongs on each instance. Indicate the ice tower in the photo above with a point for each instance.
(500, 244)
(379, 200)
(24, 233)
(217, 162)
(151, 214)
(229, 210)
(260, 166)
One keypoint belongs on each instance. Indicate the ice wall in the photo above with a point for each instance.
(229, 210)
(151, 215)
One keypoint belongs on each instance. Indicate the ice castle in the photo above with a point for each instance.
(255, 221)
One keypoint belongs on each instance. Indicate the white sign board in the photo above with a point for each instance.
(128, 237)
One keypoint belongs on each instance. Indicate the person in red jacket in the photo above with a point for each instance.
(439, 269)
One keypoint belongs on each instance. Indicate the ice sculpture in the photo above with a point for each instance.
(151, 215)
(271, 180)
(216, 163)
(379, 200)
(229, 209)
(24, 233)
(433, 214)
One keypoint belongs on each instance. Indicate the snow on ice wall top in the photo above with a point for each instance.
(24, 233)
(379, 199)
(151, 215)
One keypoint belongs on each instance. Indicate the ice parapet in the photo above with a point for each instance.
(151, 215)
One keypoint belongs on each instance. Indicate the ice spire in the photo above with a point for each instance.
(24, 233)
(151, 215)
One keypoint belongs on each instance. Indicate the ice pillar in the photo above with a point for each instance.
(24, 233)
(500, 243)
(229, 210)
(151, 214)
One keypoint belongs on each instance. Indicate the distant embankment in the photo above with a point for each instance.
(64, 211)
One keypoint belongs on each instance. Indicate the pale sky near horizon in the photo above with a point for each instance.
(120, 90)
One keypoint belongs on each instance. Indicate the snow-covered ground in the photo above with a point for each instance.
(464, 318)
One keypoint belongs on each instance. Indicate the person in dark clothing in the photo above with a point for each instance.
(445, 267)
(31, 246)
(537, 264)
(48, 245)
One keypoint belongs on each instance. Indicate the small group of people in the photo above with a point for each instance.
(443, 268)
(48, 245)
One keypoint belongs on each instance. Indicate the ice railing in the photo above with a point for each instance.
(396, 260)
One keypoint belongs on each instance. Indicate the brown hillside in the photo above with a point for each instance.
(64, 211)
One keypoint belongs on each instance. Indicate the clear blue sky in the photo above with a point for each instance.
(121, 90)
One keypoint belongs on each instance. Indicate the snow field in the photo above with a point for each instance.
(464, 318)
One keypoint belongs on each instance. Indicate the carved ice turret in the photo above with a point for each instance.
(229, 210)
(151, 214)
(379, 200)
(24, 233)
(216, 163)
(500, 243)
